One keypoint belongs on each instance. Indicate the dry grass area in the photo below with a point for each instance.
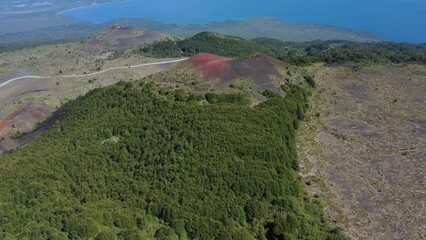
(118, 37)
(60, 59)
(363, 149)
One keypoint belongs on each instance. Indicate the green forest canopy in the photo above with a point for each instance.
(226, 46)
(134, 161)
(291, 52)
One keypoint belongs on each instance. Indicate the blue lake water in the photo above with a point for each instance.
(397, 20)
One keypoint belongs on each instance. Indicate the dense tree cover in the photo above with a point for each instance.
(226, 46)
(237, 98)
(134, 161)
(345, 52)
(292, 52)
(165, 48)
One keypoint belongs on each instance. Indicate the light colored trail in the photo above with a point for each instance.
(23, 77)
(91, 74)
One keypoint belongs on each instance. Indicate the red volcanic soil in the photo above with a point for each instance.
(15, 143)
(211, 65)
(7, 121)
(26, 114)
(258, 67)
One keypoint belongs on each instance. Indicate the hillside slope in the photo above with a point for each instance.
(295, 53)
(133, 161)
(209, 42)
(118, 37)
(251, 75)
(256, 72)
(363, 148)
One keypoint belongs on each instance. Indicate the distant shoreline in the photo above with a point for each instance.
(91, 5)
(20, 12)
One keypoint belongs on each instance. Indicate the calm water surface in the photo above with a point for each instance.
(398, 20)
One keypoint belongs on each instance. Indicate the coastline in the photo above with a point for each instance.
(91, 5)
(21, 12)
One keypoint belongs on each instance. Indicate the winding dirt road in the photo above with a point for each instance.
(15, 143)
(90, 74)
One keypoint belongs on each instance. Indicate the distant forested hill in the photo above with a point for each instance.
(134, 161)
(292, 52)
(345, 52)
(227, 46)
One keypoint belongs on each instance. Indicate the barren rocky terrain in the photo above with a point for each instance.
(362, 149)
